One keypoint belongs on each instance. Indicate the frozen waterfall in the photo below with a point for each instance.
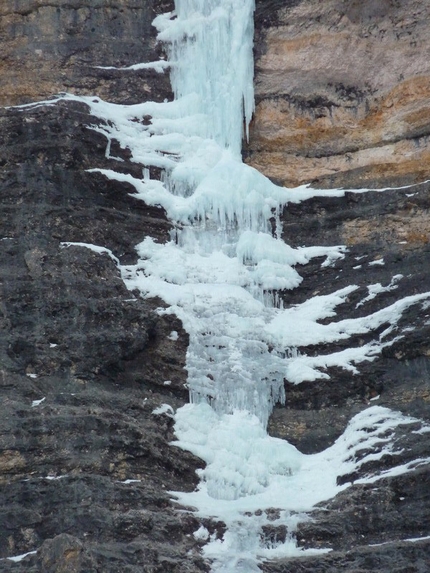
(221, 274)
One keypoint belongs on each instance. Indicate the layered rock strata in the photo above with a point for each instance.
(368, 526)
(84, 364)
(342, 92)
(56, 46)
(85, 467)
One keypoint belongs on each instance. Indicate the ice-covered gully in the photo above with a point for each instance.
(220, 274)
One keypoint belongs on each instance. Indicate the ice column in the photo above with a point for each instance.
(210, 44)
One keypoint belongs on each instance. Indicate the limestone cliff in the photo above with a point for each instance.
(342, 92)
(58, 46)
(342, 100)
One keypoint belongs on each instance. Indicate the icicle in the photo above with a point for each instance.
(211, 42)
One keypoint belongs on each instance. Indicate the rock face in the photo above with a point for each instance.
(83, 365)
(366, 526)
(342, 101)
(65, 42)
(342, 91)
(85, 466)
(83, 361)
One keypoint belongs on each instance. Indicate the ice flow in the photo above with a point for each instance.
(220, 274)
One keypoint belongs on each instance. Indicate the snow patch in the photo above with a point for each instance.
(376, 262)
(159, 66)
(377, 288)
(163, 409)
(18, 558)
(94, 248)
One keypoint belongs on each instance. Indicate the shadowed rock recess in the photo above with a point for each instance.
(343, 99)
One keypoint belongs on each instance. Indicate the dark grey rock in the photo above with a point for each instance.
(68, 44)
(83, 362)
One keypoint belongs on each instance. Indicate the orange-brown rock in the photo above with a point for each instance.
(343, 93)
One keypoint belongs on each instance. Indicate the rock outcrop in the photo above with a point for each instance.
(56, 46)
(342, 91)
(84, 364)
(368, 527)
(85, 466)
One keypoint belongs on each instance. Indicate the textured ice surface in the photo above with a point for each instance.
(248, 472)
(220, 274)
